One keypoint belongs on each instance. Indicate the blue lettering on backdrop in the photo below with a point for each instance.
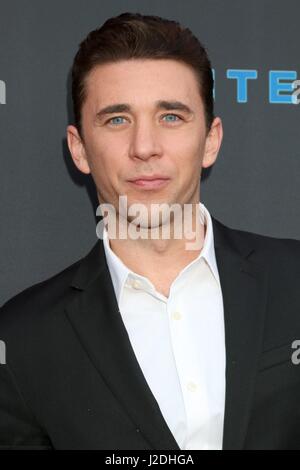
(281, 84)
(242, 77)
(276, 86)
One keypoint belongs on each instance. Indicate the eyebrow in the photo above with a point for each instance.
(161, 104)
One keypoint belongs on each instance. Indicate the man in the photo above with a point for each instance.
(145, 343)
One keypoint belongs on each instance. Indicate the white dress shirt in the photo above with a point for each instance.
(179, 342)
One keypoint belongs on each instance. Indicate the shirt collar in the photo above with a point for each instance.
(119, 271)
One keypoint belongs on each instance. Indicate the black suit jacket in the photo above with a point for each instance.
(72, 381)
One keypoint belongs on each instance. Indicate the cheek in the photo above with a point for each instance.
(189, 154)
(106, 169)
(102, 156)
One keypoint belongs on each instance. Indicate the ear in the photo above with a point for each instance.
(77, 149)
(213, 143)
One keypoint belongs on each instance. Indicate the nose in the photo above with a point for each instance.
(145, 142)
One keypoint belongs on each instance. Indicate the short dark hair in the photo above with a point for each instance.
(137, 36)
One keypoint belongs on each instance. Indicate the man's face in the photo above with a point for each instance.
(144, 139)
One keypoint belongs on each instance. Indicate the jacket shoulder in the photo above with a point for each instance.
(263, 245)
(37, 300)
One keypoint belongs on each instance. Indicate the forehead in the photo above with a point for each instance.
(141, 81)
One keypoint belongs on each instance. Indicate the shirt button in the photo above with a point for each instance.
(136, 284)
(176, 316)
(191, 386)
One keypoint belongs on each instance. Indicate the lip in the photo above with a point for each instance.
(150, 182)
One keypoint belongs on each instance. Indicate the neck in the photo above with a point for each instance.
(146, 254)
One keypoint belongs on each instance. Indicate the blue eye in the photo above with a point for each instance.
(172, 120)
(110, 121)
(117, 117)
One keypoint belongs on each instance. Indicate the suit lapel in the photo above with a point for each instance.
(94, 314)
(244, 289)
